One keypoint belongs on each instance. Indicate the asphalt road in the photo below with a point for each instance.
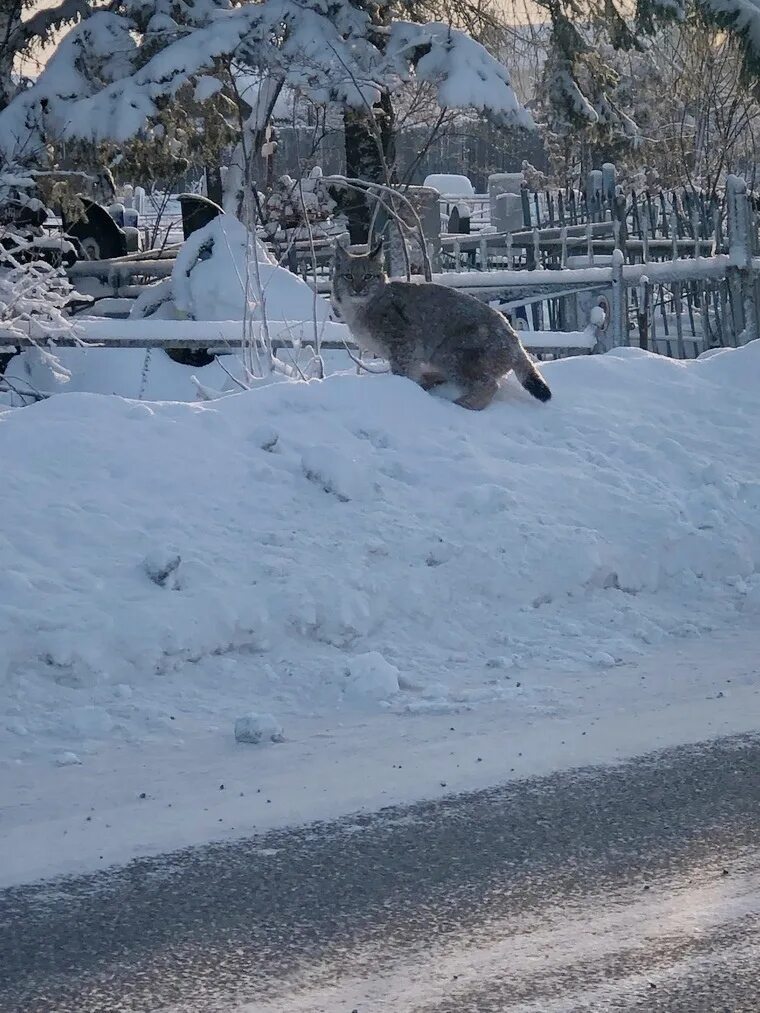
(634, 887)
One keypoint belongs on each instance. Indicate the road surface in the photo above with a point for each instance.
(635, 887)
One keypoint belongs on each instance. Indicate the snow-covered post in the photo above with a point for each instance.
(740, 276)
(618, 332)
(643, 313)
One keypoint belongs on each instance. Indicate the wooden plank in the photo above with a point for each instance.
(121, 268)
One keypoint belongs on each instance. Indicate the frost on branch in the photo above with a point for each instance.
(463, 72)
(33, 296)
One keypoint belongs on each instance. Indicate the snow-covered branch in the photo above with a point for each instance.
(462, 71)
(41, 25)
(113, 72)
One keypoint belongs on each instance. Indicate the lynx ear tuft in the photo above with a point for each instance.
(377, 250)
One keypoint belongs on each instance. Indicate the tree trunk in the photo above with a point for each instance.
(10, 17)
(214, 187)
(247, 165)
(370, 154)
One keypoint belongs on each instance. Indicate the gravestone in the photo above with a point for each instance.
(609, 181)
(595, 192)
(23, 213)
(500, 183)
(133, 238)
(197, 211)
(426, 202)
(116, 211)
(508, 216)
(98, 235)
(459, 220)
(450, 185)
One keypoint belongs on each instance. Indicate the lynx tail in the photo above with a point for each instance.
(531, 379)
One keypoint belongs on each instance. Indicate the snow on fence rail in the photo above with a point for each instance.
(226, 336)
(663, 294)
(685, 283)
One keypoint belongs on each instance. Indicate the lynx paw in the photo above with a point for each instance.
(478, 398)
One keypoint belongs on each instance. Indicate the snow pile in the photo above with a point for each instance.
(151, 375)
(370, 675)
(450, 185)
(354, 544)
(221, 269)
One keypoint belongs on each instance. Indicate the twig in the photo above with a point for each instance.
(232, 377)
(364, 185)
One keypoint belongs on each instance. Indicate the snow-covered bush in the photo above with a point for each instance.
(535, 179)
(222, 272)
(256, 728)
(34, 297)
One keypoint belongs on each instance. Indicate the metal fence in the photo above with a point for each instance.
(670, 287)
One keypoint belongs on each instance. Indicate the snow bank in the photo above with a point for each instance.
(358, 544)
(150, 374)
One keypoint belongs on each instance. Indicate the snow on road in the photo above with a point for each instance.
(355, 552)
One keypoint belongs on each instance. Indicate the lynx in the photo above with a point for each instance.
(430, 333)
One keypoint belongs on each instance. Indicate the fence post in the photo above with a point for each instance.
(618, 332)
(739, 273)
(594, 191)
(643, 313)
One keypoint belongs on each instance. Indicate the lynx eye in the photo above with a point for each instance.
(347, 277)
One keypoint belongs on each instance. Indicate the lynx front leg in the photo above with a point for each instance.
(403, 363)
(478, 395)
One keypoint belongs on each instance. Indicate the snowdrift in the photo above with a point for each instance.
(222, 271)
(358, 543)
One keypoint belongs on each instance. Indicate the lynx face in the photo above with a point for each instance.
(358, 276)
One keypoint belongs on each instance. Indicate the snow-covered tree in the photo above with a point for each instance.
(578, 95)
(20, 36)
(742, 19)
(705, 128)
(118, 77)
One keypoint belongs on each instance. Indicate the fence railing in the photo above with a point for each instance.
(677, 294)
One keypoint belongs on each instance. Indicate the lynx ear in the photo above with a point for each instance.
(377, 250)
(341, 253)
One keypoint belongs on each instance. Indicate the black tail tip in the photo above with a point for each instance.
(538, 388)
